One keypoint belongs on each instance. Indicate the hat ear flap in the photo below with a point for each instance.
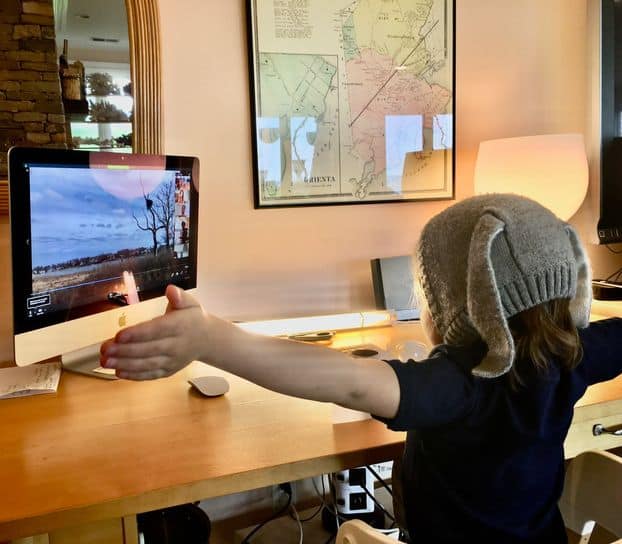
(484, 301)
(582, 301)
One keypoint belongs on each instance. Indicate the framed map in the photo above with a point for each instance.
(352, 100)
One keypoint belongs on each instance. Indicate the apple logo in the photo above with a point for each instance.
(122, 320)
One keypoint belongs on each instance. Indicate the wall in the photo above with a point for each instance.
(31, 111)
(520, 70)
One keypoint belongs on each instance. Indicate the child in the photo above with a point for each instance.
(506, 285)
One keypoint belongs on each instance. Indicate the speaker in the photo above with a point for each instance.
(394, 283)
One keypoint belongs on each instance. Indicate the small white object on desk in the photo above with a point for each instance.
(410, 350)
(367, 351)
(23, 381)
(320, 337)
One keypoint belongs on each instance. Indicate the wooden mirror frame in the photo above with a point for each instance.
(143, 21)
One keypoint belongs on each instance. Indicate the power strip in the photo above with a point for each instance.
(350, 491)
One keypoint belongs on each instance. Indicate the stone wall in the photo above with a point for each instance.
(31, 109)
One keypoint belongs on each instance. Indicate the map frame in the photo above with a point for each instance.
(375, 184)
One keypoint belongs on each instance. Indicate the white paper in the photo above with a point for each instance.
(22, 381)
(102, 370)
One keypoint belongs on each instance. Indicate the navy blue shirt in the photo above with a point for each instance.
(484, 461)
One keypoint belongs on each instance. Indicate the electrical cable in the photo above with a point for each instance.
(332, 506)
(334, 498)
(612, 250)
(314, 515)
(379, 478)
(321, 494)
(615, 275)
(322, 499)
(377, 503)
(385, 485)
(278, 514)
(293, 509)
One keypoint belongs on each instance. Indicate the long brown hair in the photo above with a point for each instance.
(541, 334)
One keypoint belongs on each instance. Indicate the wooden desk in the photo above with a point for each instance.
(100, 450)
(90, 457)
(602, 403)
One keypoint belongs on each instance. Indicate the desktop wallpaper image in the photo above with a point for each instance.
(88, 226)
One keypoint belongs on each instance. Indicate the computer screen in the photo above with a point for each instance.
(92, 234)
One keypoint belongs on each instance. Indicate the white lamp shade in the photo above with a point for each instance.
(551, 169)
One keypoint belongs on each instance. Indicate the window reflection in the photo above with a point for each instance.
(93, 37)
(403, 135)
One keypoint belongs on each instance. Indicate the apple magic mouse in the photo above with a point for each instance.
(210, 386)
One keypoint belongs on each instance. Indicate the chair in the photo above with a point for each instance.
(356, 531)
(591, 503)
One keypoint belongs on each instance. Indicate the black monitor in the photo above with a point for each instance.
(609, 107)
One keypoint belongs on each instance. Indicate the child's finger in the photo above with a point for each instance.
(142, 376)
(160, 327)
(139, 364)
(105, 345)
(178, 299)
(136, 350)
(158, 362)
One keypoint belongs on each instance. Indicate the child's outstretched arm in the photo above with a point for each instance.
(164, 345)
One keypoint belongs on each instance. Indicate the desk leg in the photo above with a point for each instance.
(112, 531)
(39, 539)
(130, 530)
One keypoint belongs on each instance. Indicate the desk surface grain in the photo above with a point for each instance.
(102, 449)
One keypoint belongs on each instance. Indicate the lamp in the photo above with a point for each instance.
(551, 169)
(299, 325)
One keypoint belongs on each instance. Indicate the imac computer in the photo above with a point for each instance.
(96, 237)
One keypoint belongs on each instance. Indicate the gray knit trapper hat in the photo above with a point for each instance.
(490, 257)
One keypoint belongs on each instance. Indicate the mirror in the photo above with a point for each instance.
(143, 37)
(93, 49)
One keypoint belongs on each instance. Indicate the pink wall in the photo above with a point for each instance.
(520, 70)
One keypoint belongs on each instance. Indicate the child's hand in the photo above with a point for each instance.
(162, 346)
